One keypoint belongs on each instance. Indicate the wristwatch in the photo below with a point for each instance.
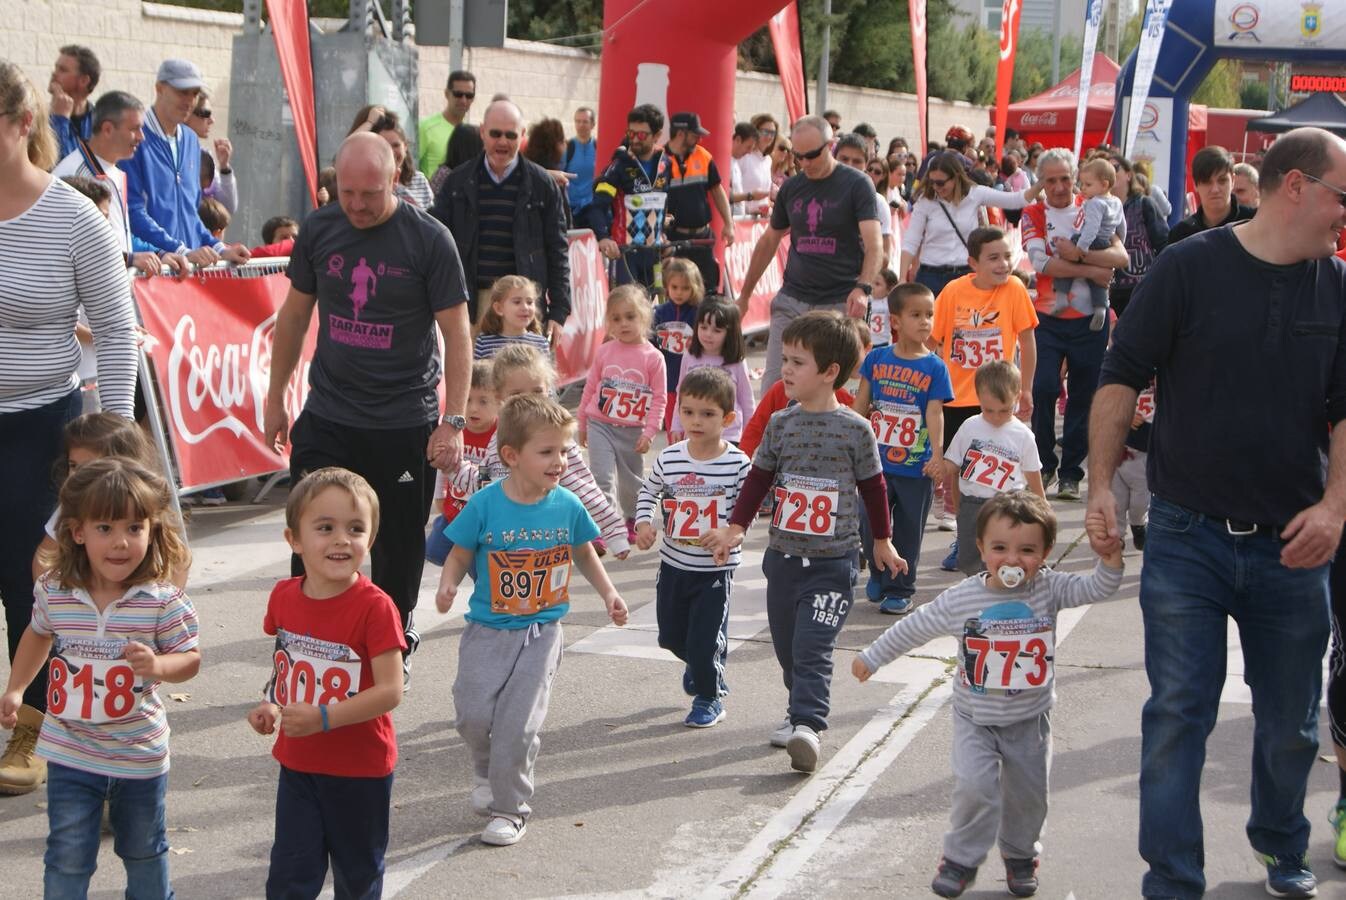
(454, 422)
(867, 288)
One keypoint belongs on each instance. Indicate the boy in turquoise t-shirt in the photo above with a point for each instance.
(520, 537)
(903, 388)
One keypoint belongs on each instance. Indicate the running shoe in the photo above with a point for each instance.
(600, 547)
(502, 831)
(1289, 875)
(873, 590)
(1338, 820)
(631, 531)
(896, 606)
(803, 747)
(1068, 490)
(1021, 876)
(1048, 479)
(780, 736)
(952, 879)
(688, 683)
(704, 714)
(950, 563)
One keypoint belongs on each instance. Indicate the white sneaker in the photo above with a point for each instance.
(481, 798)
(502, 831)
(781, 735)
(803, 749)
(946, 520)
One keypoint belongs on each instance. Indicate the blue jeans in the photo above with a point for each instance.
(1196, 577)
(1082, 350)
(75, 814)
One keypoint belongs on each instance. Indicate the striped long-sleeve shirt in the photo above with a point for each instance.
(692, 496)
(1006, 639)
(55, 257)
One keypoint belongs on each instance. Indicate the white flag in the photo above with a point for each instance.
(1151, 36)
(1093, 15)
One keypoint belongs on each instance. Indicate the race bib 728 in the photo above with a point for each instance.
(806, 505)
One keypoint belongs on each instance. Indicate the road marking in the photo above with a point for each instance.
(400, 876)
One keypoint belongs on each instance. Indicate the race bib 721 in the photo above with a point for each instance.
(688, 518)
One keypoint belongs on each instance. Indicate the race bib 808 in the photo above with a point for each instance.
(311, 670)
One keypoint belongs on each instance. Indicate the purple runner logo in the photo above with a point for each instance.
(811, 243)
(354, 333)
(363, 285)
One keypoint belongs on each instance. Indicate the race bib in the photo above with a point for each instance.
(310, 670)
(689, 518)
(880, 325)
(982, 466)
(89, 681)
(895, 424)
(525, 582)
(1145, 404)
(806, 506)
(674, 337)
(973, 346)
(645, 218)
(997, 661)
(624, 401)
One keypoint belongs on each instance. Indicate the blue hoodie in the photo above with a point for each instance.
(162, 196)
(68, 130)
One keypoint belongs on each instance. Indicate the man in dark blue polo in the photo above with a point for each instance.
(1243, 328)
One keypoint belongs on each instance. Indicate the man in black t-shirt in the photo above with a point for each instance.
(382, 275)
(836, 248)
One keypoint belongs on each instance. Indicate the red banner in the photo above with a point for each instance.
(1004, 75)
(210, 349)
(916, 9)
(785, 40)
(289, 24)
(584, 329)
(736, 260)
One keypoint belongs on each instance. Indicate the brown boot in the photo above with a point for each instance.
(21, 770)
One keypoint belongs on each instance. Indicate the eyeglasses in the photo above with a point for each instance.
(203, 113)
(812, 154)
(639, 135)
(496, 134)
(1341, 195)
(875, 171)
(464, 95)
(938, 182)
(766, 133)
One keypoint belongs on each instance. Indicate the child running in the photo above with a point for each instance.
(813, 458)
(510, 318)
(623, 402)
(992, 453)
(879, 317)
(520, 538)
(482, 410)
(692, 487)
(718, 342)
(337, 676)
(108, 627)
(1005, 621)
(674, 320)
(903, 388)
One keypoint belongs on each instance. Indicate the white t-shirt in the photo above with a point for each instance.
(930, 236)
(736, 185)
(991, 459)
(755, 171)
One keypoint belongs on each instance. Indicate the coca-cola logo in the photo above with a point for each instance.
(917, 10)
(587, 300)
(1008, 14)
(1028, 120)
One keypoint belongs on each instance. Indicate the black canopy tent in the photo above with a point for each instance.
(1324, 110)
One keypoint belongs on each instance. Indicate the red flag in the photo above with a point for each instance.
(916, 8)
(784, 27)
(289, 24)
(1004, 75)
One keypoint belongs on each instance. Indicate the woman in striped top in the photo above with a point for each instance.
(57, 254)
(512, 318)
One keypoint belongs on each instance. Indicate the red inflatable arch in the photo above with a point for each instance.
(682, 58)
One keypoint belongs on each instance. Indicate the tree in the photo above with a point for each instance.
(1254, 95)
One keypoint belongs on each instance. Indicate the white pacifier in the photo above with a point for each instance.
(1010, 576)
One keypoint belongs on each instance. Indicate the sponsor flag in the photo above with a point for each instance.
(289, 25)
(916, 9)
(1147, 54)
(1004, 75)
(789, 47)
(1093, 15)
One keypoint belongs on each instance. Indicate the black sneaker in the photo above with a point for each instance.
(1048, 479)
(1289, 876)
(1068, 490)
(1138, 536)
(952, 879)
(1021, 877)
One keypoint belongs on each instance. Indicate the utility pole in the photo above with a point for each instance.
(1056, 42)
(1112, 29)
(825, 59)
(455, 35)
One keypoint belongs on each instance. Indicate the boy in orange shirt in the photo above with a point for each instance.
(978, 318)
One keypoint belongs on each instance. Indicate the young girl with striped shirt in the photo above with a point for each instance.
(512, 318)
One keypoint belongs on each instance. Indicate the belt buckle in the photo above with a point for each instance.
(1229, 525)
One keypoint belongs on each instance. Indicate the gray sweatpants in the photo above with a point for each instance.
(1000, 777)
(784, 310)
(1131, 488)
(613, 458)
(807, 601)
(969, 557)
(500, 694)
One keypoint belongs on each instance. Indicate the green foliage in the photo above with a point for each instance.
(1254, 95)
(1221, 86)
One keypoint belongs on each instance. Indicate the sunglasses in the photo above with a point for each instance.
(639, 135)
(464, 95)
(203, 113)
(766, 133)
(1341, 195)
(812, 154)
(938, 182)
(875, 171)
(496, 134)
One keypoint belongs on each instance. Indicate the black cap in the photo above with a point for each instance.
(686, 121)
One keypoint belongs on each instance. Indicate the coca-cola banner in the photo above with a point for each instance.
(210, 348)
(736, 260)
(584, 329)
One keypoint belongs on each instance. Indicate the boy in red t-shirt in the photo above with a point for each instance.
(483, 408)
(337, 675)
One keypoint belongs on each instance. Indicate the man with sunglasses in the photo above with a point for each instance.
(433, 131)
(217, 172)
(836, 248)
(507, 216)
(1242, 326)
(630, 197)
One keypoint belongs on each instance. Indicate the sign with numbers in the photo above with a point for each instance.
(89, 681)
(310, 670)
(689, 518)
(625, 401)
(1145, 404)
(982, 466)
(973, 346)
(806, 506)
(895, 424)
(1020, 662)
(880, 326)
(673, 336)
(526, 582)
